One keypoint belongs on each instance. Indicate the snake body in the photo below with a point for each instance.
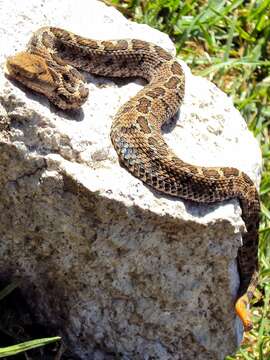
(49, 66)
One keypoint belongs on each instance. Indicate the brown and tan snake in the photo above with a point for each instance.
(49, 66)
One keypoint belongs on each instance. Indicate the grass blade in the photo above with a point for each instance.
(16, 349)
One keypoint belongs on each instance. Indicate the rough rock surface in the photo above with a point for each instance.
(121, 270)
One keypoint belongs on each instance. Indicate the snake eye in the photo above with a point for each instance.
(37, 68)
(66, 77)
(42, 72)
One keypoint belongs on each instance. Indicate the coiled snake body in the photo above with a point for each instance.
(49, 67)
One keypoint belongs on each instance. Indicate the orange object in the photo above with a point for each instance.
(242, 310)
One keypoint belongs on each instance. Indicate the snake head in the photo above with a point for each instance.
(62, 88)
(32, 71)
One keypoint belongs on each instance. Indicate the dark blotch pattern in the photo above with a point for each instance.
(162, 53)
(154, 180)
(142, 121)
(143, 105)
(192, 169)
(111, 46)
(58, 60)
(140, 45)
(47, 40)
(122, 45)
(247, 179)
(108, 45)
(152, 141)
(64, 35)
(125, 109)
(177, 68)
(172, 82)
(156, 92)
(211, 173)
(154, 165)
(160, 147)
(228, 172)
(167, 186)
(177, 162)
(125, 130)
(76, 74)
(92, 44)
(34, 41)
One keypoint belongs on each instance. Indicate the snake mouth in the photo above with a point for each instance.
(37, 83)
(32, 81)
(11, 72)
(13, 69)
(32, 71)
(33, 84)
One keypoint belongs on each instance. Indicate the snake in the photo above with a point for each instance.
(52, 65)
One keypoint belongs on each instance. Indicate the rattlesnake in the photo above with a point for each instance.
(49, 67)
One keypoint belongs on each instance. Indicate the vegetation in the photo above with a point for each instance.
(229, 43)
(24, 346)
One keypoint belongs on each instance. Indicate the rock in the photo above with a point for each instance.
(121, 270)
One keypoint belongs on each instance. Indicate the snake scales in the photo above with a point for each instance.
(49, 66)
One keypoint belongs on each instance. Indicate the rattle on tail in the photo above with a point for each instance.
(49, 66)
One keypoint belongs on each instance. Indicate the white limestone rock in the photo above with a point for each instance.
(120, 269)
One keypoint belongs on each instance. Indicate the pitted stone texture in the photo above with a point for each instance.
(121, 270)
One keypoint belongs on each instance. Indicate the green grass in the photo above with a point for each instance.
(23, 346)
(27, 345)
(229, 43)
